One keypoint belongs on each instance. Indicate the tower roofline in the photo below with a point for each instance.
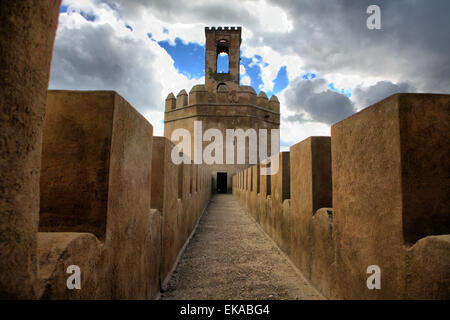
(213, 29)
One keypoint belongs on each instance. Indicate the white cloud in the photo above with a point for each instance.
(242, 70)
(245, 80)
(272, 62)
(104, 54)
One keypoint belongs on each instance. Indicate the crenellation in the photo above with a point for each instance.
(247, 95)
(263, 102)
(235, 29)
(221, 103)
(182, 99)
(198, 95)
(340, 217)
(274, 104)
(171, 102)
(90, 185)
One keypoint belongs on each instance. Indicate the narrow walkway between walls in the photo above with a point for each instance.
(230, 257)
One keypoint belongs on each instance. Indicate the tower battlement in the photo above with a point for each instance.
(244, 97)
(211, 29)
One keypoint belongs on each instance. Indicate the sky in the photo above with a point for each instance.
(317, 56)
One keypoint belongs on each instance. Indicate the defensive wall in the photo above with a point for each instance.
(104, 196)
(88, 186)
(374, 193)
(111, 202)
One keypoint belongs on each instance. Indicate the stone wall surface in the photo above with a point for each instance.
(76, 182)
(108, 201)
(222, 104)
(372, 194)
(222, 117)
(133, 181)
(84, 182)
(27, 32)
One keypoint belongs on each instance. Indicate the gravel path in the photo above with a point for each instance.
(230, 257)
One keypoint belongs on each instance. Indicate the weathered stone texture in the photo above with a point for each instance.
(75, 162)
(97, 179)
(228, 41)
(96, 207)
(388, 188)
(310, 191)
(221, 103)
(27, 32)
(373, 194)
(105, 196)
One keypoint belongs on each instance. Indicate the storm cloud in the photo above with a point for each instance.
(312, 101)
(370, 95)
(411, 52)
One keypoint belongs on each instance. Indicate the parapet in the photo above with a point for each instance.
(214, 29)
(402, 199)
(247, 95)
(274, 104)
(182, 99)
(223, 100)
(95, 183)
(101, 179)
(375, 192)
(198, 94)
(263, 102)
(170, 102)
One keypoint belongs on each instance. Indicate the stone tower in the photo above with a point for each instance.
(221, 103)
(222, 40)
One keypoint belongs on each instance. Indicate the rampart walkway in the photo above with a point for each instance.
(230, 257)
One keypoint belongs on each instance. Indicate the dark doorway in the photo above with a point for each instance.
(221, 182)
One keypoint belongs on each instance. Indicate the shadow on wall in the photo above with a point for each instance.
(102, 173)
(81, 188)
(375, 193)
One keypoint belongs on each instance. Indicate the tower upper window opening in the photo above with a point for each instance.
(223, 63)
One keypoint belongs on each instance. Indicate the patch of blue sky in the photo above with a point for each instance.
(259, 60)
(309, 76)
(89, 16)
(253, 71)
(284, 145)
(347, 92)
(165, 30)
(280, 82)
(189, 58)
(223, 63)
